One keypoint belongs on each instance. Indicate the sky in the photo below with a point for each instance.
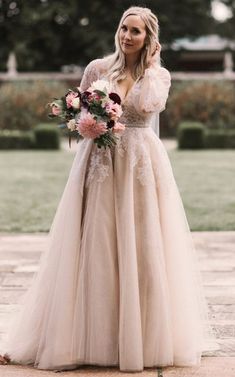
(220, 11)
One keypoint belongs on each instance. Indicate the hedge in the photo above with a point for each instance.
(24, 104)
(44, 136)
(208, 102)
(194, 135)
(220, 139)
(191, 135)
(16, 139)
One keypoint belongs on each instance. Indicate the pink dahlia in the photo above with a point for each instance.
(88, 127)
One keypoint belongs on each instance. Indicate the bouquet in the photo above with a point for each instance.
(92, 114)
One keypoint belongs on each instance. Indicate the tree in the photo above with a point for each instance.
(46, 34)
(226, 28)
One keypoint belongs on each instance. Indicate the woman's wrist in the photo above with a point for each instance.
(155, 57)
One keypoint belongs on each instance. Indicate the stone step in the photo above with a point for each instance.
(19, 257)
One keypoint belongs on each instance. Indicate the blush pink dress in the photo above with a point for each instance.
(119, 284)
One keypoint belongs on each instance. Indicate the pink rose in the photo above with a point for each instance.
(118, 128)
(75, 103)
(69, 99)
(94, 96)
(88, 127)
(55, 109)
(114, 110)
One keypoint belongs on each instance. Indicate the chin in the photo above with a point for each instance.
(129, 51)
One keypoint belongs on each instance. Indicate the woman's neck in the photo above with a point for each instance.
(130, 62)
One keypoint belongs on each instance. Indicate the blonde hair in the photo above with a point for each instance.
(117, 59)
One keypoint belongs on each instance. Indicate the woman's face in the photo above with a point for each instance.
(132, 35)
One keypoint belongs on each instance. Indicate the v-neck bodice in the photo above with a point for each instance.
(117, 90)
(146, 96)
(131, 117)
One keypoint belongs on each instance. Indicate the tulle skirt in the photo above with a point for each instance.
(119, 283)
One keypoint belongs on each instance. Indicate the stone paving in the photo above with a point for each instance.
(19, 256)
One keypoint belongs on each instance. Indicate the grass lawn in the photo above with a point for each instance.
(32, 183)
(206, 180)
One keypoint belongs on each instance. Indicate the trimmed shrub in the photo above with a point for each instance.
(208, 102)
(215, 139)
(230, 139)
(220, 139)
(24, 104)
(47, 136)
(15, 139)
(190, 135)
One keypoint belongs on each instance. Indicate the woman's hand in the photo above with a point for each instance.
(157, 49)
(155, 55)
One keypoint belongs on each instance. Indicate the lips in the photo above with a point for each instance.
(126, 44)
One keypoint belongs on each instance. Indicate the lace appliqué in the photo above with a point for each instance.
(145, 174)
(99, 165)
(164, 174)
(133, 146)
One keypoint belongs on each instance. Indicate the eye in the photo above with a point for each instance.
(136, 31)
(123, 27)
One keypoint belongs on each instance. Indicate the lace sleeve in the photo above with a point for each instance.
(91, 73)
(154, 90)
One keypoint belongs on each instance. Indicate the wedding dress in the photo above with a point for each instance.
(119, 282)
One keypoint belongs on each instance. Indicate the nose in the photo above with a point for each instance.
(127, 35)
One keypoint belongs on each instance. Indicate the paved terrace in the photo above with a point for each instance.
(19, 256)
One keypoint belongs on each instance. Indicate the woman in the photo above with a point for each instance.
(119, 283)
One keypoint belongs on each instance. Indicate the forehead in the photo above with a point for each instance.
(134, 21)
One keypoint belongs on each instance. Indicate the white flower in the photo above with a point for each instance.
(101, 85)
(75, 103)
(71, 124)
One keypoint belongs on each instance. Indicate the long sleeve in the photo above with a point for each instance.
(91, 73)
(154, 90)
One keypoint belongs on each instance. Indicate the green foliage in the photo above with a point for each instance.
(24, 103)
(106, 140)
(215, 139)
(16, 139)
(211, 103)
(47, 136)
(230, 139)
(191, 135)
(220, 139)
(48, 34)
(194, 135)
(44, 136)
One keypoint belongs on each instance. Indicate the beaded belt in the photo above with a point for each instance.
(137, 126)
